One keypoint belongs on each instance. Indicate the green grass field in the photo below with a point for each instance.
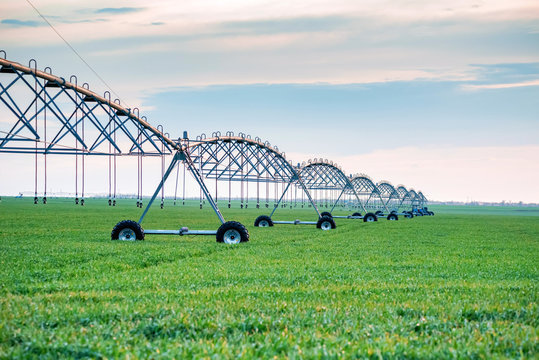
(461, 284)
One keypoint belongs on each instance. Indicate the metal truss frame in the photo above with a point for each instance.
(315, 174)
(408, 198)
(364, 186)
(239, 158)
(86, 124)
(80, 122)
(422, 199)
(389, 195)
(322, 174)
(403, 192)
(230, 158)
(413, 198)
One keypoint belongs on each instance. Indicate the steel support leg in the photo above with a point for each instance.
(278, 202)
(337, 201)
(309, 196)
(360, 202)
(200, 181)
(178, 156)
(367, 202)
(383, 203)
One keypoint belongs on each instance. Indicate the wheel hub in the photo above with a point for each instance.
(232, 237)
(326, 225)
(127, 235)
(263, 223)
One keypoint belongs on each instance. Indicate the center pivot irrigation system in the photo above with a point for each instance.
(54, 116)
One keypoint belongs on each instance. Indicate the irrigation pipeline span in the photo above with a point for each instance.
(53, 116)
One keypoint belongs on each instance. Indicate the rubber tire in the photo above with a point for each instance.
(379, 212)
(367, 215)
(324, 219)
(408, 215)
(393, 211)
(392, 217)
(326, 213)
(133, 225)
(263, 217)
(229, 225)
(356, 214)
(431, 213)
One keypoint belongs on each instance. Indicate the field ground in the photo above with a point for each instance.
(463, 284)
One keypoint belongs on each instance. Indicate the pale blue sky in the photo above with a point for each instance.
(358, 118)
(322, 78)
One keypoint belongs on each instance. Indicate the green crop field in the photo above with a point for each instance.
(461, 284)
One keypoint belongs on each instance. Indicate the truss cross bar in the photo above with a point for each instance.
(22, 118)
(257, 160)
(42, 95)
(144, 131)
(22, 115)
(324, 176)
(70, 129)
(61, 134)
(6, 88)
(226, 155)
(255, 153)
(271, 162)
(248, 155)
(19, 113)
(219, 155)
(113, 118)
(213, 154)
(240, 166)
(63, 119)
(93, 118)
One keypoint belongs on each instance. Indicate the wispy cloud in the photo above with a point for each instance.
(121, 10)
(507, 72)
(22, 23)
(469, 87)
(73, 20)
(288, 25)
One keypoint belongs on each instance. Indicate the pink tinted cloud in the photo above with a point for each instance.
(508, 173)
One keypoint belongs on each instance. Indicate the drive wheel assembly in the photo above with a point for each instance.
(127, 230)
(326, 223)
(232, 232)
(392, 217)
(370, 217)
(263, 221)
